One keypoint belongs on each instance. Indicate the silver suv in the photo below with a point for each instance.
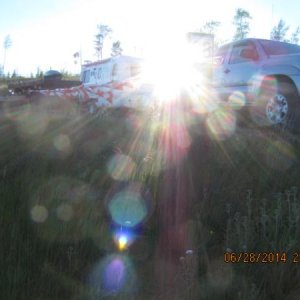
(266, 73)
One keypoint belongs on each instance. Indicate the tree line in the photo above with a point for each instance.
(241, 21)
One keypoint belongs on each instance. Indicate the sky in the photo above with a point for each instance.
(45, 34)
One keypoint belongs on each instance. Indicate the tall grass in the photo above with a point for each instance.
(245, 198)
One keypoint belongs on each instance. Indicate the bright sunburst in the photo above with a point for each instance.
(175, 66)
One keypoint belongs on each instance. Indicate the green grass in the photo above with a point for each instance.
(242, 195)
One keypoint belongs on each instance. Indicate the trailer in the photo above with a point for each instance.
(113, 82)
(117, 81)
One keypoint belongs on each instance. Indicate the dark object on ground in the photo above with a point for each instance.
(52, 80)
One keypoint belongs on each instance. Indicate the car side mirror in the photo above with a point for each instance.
(249, 53)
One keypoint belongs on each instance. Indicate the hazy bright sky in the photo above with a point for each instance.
(46, 33)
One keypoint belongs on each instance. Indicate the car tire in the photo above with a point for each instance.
(277, 105)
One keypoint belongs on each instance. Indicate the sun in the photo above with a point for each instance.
(176, 65)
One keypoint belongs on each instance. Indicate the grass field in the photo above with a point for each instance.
(239, 194)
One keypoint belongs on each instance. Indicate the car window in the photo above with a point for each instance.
(235, 56)
(279, 48)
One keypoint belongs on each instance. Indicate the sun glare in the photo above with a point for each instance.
(122, 243)
(174, 67)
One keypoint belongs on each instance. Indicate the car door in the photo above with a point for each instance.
(219, 65)
(242, 67)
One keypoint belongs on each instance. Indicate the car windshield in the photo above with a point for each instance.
(279, 48)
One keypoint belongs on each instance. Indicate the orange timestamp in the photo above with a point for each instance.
(261, 257)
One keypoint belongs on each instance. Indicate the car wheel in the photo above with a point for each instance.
(276, 106)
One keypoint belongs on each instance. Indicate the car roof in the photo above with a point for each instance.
(252, 40)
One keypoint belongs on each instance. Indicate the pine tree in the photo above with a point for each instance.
(241, 21)
(6, 44)
(116, 49)
(279, 31)
(210, 27)
(103, 32)
(295, 36)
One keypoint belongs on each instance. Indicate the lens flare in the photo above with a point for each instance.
(39, 213)
(204, 100)
(237, 100)
(175, 65)
(128, 208)
(123, 238)
(267, 87)
(129, 204)
(174, 141)
(122, 243)
(62, 143)
(65, 209)
(121, 167)
(221, 124)
(113, 275)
